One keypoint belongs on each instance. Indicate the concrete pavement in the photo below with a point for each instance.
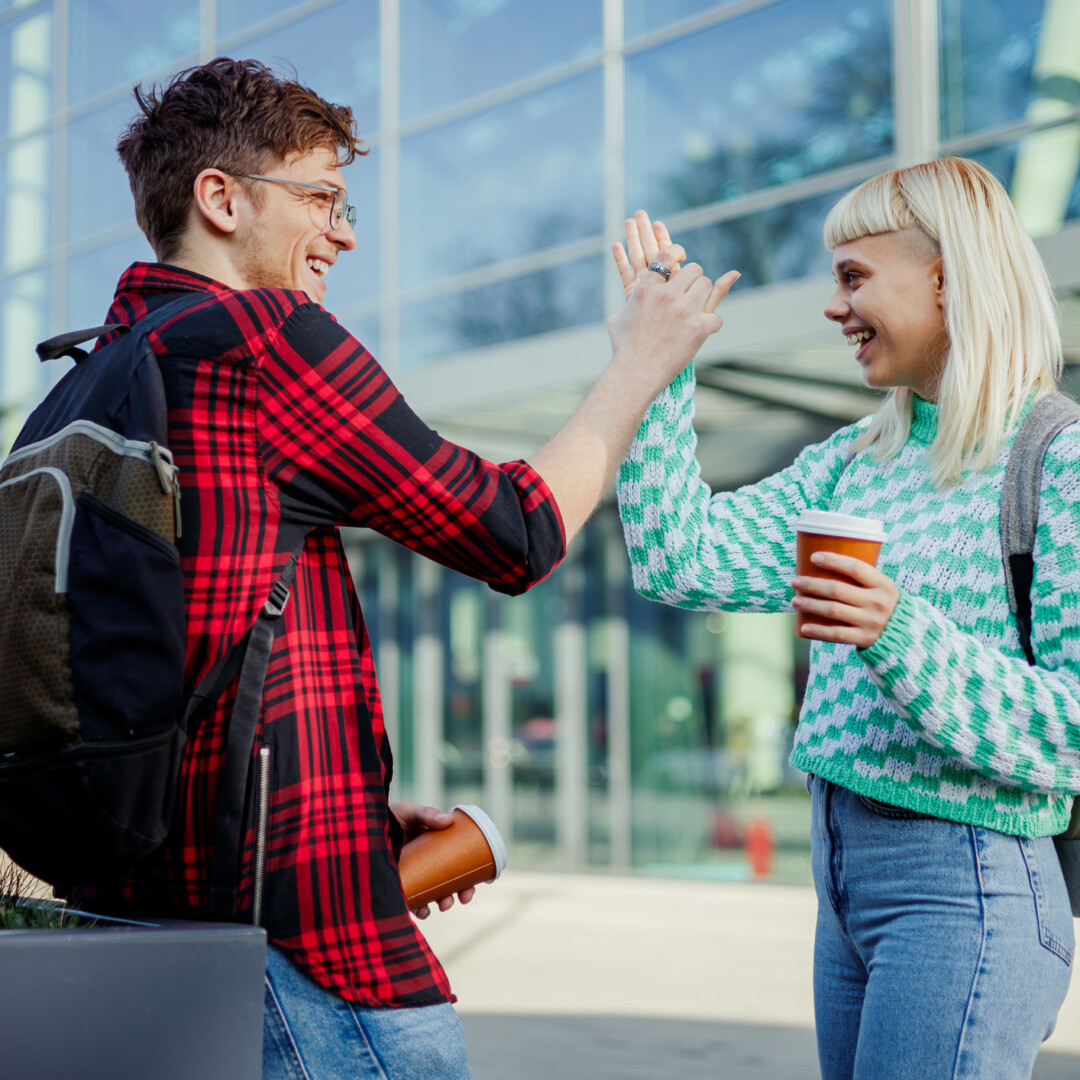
(621, 978)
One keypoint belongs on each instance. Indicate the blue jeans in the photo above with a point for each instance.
(942, 952)
(312, 1034)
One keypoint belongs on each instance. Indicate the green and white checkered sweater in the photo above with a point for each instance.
(941, 714)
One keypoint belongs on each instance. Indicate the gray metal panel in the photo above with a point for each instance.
(175, 1002)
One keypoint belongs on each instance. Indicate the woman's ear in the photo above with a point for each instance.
(939, 281)
(216, 197)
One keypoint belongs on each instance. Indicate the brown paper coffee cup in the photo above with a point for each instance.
(821, 530)
(443, 861)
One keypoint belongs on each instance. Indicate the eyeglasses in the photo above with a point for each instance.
(339, 208)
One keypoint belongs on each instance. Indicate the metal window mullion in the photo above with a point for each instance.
(614, 144)
(61, 91)
(1003, 133)
(915, 81)
(267, 26)
(207, 30)
(695, 24)
(389, 268)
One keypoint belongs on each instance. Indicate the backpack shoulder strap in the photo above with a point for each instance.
(1020, 503)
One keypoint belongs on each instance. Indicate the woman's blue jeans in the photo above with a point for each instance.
(943, 951)
(311, 1034)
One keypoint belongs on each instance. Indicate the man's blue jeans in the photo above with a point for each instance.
(311, 1034)
(943, 951)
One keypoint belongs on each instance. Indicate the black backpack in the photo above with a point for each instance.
(93, 711)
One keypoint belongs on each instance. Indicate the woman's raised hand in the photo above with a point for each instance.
(644, 242)
(667, 318)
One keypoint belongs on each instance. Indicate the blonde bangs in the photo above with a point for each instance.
(875, 206)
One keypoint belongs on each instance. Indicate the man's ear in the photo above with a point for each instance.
(217, 199)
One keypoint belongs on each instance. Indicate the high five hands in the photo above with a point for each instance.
(666, 318)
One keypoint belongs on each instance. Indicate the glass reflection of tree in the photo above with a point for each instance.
(542, 301)
(846, 116)
(842, 114)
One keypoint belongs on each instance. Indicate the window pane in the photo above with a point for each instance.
(110, 47)
(453, 49)
(26, 73)
(773, 245)
(547, 300)
(511, 180)
(785, 92)
(233, 16)
(1042, 174)
(645, 15)
(99, 195)
(92, 278)
(335, 52)
(25, 200)
(355, 275)
(1007, 60)
(25, 314)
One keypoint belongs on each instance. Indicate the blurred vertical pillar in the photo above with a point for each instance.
(1048, 160)
(388, 660)
(616, 567)
(428, 695)
(915, 80)
(496, 709)
(571, 733)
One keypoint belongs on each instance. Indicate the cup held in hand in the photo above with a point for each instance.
(440, 862)
(844, 534)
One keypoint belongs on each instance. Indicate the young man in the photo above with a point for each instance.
(284, 427)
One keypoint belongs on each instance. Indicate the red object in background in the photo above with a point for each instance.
(726, 832)
(759, 848)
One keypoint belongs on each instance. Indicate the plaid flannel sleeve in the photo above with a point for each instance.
(341, 446)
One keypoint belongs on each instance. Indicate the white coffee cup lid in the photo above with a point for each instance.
(491, 834)
(826, 523)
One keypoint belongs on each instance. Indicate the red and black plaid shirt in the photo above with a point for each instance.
(280, 420)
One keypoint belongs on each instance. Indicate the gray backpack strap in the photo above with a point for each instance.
(1019, 517)
(1020, 503)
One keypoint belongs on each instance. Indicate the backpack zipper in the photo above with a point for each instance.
(113, 440)
(260, 832)
(67, 519)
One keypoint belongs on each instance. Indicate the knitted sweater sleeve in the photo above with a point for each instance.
(733, 551)
(1017, 724)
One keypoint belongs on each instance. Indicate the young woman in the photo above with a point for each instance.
(940, 763)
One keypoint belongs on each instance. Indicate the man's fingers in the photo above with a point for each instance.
(663, 237)
(721, 287)
(689, 276)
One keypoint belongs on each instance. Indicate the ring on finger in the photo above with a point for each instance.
(660, 269)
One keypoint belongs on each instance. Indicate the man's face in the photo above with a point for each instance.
(290, 242)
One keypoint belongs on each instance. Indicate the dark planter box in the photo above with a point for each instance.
(163, 1001)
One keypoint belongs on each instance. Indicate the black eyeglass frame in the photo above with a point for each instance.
(339, 208)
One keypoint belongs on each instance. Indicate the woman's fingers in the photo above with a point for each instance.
(647, 236)
(634, 250)
(721, 287)
(663, 237)
(626, 272)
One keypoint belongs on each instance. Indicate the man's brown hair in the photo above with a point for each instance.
(233, 115)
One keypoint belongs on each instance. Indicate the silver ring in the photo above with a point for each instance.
(661, 269)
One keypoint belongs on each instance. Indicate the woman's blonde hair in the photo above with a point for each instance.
(1004, 343)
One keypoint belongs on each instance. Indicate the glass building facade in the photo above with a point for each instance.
(509, 139)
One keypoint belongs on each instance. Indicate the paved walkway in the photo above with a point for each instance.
(605, 978)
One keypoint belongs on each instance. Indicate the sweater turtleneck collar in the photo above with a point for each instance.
(924, 420)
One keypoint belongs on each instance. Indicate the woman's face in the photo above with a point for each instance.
(889, 302)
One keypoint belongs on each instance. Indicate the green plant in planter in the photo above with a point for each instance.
(20, 911)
